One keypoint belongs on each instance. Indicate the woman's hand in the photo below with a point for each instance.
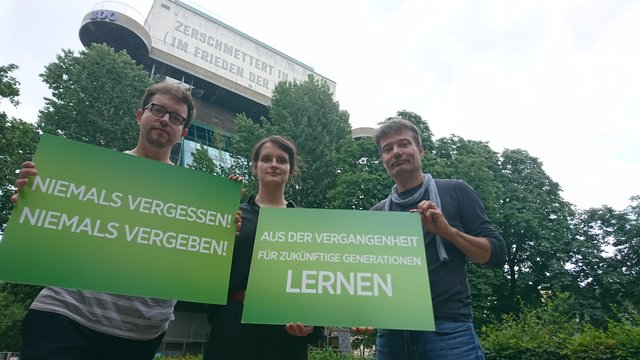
(238, 222)
(239, 179)
(297, 329)
(362, 330)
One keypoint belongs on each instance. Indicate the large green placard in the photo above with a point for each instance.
(103, 220)
(339, 268)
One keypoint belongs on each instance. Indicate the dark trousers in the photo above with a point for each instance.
(47, 335)
(450, 341)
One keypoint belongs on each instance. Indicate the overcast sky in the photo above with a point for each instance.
(560, 79)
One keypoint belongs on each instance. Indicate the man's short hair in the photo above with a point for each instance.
(176, 92)
(396, 125)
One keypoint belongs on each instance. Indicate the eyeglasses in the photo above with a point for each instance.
(159, 111)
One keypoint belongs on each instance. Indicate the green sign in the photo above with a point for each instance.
(102, 220)
(339, 268)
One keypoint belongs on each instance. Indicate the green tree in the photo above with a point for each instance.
(17, 143)
(18, 140)
(534, 220)
(605, 263)
(11, 317)
(306, 113)
(248, 134)
(94, 97)
(469, 160)
(594, 233)
(362, 180)
(213, 160)
(9, 85)
(202, 161)
(628, 252)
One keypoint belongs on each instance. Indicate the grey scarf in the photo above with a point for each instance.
(429, 184)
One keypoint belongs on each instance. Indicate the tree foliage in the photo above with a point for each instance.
(362, 180)
(94, 97)
(552, 331)
(247, 135)
(12, 315)
(9, 85)
(306, 113)
(534, 220)
(203, 162)
(469, 160)
(17, 143)
(605, 262)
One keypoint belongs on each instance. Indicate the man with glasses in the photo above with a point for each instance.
(78, 324)
(164, 118)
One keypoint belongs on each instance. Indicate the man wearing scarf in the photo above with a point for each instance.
(455, 227)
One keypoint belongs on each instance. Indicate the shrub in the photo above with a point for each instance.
(523, 339)
(550, 332)
(330, 354)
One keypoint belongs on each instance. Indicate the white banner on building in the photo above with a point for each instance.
(212, 45)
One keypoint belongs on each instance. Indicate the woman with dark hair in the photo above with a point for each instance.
(274, 165)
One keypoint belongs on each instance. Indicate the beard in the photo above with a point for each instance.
(158, 139)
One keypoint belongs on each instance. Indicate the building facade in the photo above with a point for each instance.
(227, 71)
